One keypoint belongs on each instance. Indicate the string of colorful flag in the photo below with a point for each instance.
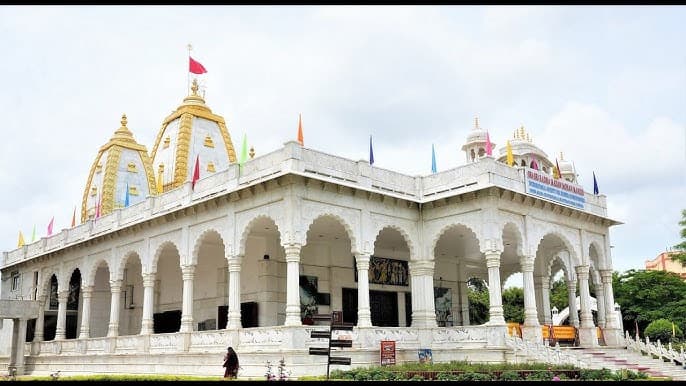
(196, 67)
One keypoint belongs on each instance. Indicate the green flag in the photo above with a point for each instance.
(244, 151)
(33, 235)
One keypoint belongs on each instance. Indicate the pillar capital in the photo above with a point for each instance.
(606, 275)
(582, 271)
(115, 285)
(526, 263)
(292, 250)
(62, 296)
(235, 263)
(493, 258)
(421, 267)
(149, 279)
(87, 291)
(188, 272)
(362, 262)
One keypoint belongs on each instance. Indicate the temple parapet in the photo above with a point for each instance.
(294, 159)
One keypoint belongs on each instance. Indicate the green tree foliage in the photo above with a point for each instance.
(558, 294)
(645, 296)
(682, 246)
(513, 304)
(662, 329)
(478, 301)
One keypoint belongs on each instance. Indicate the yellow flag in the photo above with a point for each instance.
(21, 240)
(510, 157)
(673, 329)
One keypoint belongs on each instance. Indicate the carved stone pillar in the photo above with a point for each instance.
(538, 292)
(571, 295)
(17, 345)
(600, 302)
(115, 290)
(188, 273)
(86, 295)
(60, 330)
(40, 320)
(531, 330)
(587, 331)
(464, 302)
(612, 332)
(364, 315)
(292, 285)
(496, 315)
(234, 312)
(545, 295)
(147, 323)
(422, 281)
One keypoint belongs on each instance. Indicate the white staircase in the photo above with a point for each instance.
(621, 358)
(636, 356)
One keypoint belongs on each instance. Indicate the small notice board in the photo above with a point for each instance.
(387, 352)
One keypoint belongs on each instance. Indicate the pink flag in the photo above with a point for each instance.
(489, 146)
(52, 221)
(534, 164)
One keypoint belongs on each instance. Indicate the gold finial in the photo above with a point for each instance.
(194, 87)
(521, 132)
(190, 47)
(476, 123)
(123, 120)
(252, 152)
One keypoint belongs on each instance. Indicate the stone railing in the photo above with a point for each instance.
(655, 350)
(539, 352)
(292, 158)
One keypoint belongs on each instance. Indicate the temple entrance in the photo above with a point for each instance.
(384, 308)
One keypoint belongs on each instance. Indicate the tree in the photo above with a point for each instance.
(558, 294)
(682, 246)
(479, 303)
(645, 296)
(513, 305)
(663, 330)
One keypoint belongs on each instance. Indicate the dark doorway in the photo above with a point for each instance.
(408, 309)
(70, 332)
(384, 308)
(222, 317)
(49, 325)
(169, 321)
(349, 297)
(30, 329)
(249, 316)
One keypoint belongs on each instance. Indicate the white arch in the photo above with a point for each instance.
(158, 252)
(200, 239)
(346, 226)
(246, 231)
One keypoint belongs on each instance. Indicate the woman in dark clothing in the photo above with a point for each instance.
(231, 363)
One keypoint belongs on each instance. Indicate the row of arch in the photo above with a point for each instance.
(456, 244)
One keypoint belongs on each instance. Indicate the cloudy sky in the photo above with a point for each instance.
(604, 85)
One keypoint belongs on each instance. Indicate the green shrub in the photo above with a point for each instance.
(662, 329)
(540, 376)
(510, 375)
(447, 377)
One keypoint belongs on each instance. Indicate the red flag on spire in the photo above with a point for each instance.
(300, 130)
(195, 66)
(489, 145)
(196, 171)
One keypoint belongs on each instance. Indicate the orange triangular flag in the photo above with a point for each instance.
(73, 218)
(300, 130)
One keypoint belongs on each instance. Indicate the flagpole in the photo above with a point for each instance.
(188, 80)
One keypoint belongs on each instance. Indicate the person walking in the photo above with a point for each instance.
(230, 363)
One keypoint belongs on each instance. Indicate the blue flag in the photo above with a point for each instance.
(433, 159)
(126, 200)
(595, 185)
(371, 151)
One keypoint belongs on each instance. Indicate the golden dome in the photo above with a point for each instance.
(120, 162)
(192, 130)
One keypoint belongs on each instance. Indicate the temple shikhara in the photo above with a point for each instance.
(184, 249)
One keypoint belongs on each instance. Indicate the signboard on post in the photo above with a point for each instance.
(387, 352)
